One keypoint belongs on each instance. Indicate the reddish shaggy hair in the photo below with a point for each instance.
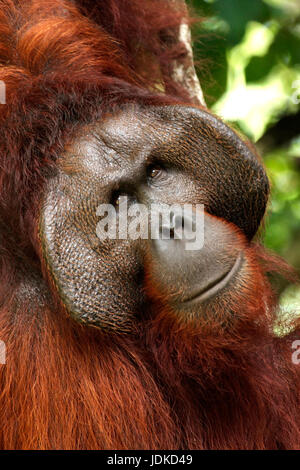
(168, 385)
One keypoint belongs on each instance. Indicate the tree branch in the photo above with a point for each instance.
(184, 72)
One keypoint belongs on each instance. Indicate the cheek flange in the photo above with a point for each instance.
(87, 277)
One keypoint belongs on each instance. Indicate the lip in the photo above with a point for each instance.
(217, 285)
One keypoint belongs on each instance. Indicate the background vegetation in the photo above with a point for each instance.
(249, 52)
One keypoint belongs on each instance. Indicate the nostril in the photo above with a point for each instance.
(178, 221)
(184, 225)
(166, 232)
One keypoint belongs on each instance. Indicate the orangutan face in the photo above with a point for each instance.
(159, 156)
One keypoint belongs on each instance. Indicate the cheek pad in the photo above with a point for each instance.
(97, 280)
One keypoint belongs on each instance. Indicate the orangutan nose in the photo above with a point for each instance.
(195, 256)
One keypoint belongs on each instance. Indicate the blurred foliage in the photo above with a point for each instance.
(250, 74)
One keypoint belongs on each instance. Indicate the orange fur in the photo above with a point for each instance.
(168, 386)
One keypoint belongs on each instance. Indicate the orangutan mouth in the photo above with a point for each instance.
(218, 284)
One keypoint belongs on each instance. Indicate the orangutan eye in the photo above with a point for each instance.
(156, 172)
(118, 198)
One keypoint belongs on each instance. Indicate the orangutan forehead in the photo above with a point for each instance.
(131, 128)
(131, 134)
